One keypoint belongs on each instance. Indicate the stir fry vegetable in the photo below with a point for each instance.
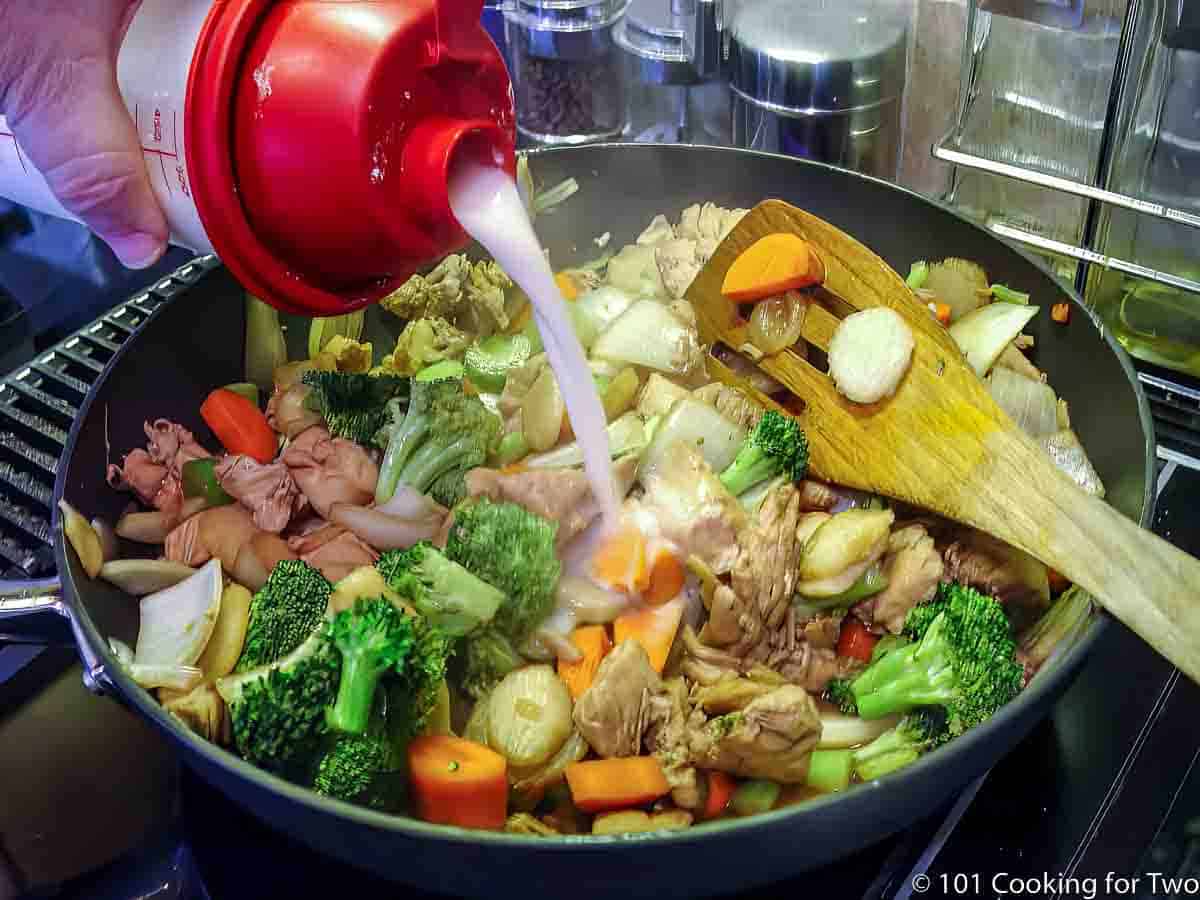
(395, 586)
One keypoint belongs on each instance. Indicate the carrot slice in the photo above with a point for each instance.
(653, 627)
(566, 286)
(620, 561)
(856, 641)
(771, 265)
(720, 792)
(458, 782)
(594, 643)
(1061, 313)
(618, 783)
(239, 425)
(666, 578)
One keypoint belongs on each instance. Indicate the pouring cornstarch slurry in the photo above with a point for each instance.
(486, 203)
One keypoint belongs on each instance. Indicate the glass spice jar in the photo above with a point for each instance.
(568, 73)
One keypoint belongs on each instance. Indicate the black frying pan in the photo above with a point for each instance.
(194, 343)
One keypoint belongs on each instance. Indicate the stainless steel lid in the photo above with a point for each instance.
(572, 30)
(564, 15)
(809, 57)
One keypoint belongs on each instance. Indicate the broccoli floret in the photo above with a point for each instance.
(373, 638)
(354, 404)
(901, 745)
(962, 658)
(450, 488)
(443, 592)
(839, 694)
(278, 716)
(776, 445)
(412, 696)
(511, 549)
(284, 612)
(489, 656)
(362, 769)
(442, 431)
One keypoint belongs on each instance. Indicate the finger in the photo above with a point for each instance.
(84, 142)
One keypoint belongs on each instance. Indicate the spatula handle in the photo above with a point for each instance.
(1150, 585)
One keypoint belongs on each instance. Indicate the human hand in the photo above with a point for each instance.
(58, 90)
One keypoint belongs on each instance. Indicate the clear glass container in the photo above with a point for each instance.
(1035, 97)
(1156, 158)
(568, 74)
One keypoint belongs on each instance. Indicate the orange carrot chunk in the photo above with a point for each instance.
(1061, 313)
(666, 579)
(620, 561)
(458, 782)
(618, 783)
(771, 265)
(720, 792)
(239, 425)
(566, 286)
(593, 642)
(653, 627)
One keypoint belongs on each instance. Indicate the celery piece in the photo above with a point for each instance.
(1005, 294)
(753, 797)
(447, 368)
(918, 272)
(829, 770)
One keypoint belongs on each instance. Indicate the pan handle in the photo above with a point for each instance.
(33, 612)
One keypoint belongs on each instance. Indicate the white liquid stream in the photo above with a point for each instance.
(486, 203)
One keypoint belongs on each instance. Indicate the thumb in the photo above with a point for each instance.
(81, 137)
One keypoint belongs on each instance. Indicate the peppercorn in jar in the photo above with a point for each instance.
(568, 73)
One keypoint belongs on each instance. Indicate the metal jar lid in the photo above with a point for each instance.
(809, 58)
(672, 41)
(565, 29)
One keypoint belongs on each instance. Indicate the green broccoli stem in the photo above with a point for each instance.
(892, 750)
(916, 675)
(749, 467)
(829, 770)
(356, 692)
(433, 460)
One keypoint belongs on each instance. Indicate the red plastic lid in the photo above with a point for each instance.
(319, 138)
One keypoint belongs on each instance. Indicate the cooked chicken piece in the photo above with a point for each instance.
(611, 714)
(560, 495)
(730, 693)
(992, 567)
(334, 551)
(330, 470)
(219, 532)
(764, 577)
(783, 651)
(821, 632)
(707, 225)
(816, 496)
(772, 737)
(666, 736)
(138, 473)
(657, 231)
(203, 711)
(677, 264)
(268, 491)
(693, 508)
(913, 567)
(172, 445)
(731, 403)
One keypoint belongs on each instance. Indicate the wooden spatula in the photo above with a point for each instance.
(942, 443)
